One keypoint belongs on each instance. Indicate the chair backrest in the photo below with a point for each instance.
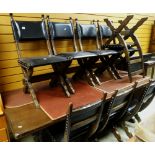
(24, 31)
(148, 96)
(104, 31)
(29, 30)
(60, 31)
(82, 121)
(115, 107)
(86, 32)
(138, 97)
(122, 99)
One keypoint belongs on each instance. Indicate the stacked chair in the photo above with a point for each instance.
(81, 124)
(62, 30)
(90, 121)
(34, 31)
(136, 57)
(115, 109)
(88, 32)
(112, 35)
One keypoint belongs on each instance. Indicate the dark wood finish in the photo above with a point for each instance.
(121, 39)
(122, 98)
(26, 119)
(130, 33)
(59, 69)
(94, 120)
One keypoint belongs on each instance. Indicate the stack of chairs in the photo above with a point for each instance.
(87, 122)
(136, 57)
(112, 36)
(25, 31)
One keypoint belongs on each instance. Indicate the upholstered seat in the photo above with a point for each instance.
(77, 55)
(116, 47)
(104, 52)
(40, 61)
(60, 31)
(146, 57)
(34, 31)
(65, 31)
(115, 108)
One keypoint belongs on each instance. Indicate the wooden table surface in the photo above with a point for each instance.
(28, 119)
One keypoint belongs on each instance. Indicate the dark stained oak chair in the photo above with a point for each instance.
(142, 97)
(136, 57)
(126, 48)
(65, 31)
(147, 97)
(143, 87)
(80, 125)
(86, 32)
(32, 31)
(142, 93)
(105, 33)
(110, 38)
(115, 108)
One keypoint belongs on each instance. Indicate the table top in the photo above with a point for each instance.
(25, 118)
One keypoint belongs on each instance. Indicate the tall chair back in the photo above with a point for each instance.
(115, 107)
(82, 121)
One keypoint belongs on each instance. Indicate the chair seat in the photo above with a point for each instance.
(149, 63)
(132, 49)
(146, 57)
(115, 47)
(77, 55)
(104, 52)
(40, 61)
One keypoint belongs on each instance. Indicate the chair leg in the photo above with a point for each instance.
(53, 82)
(116, 134)
(126, 129)
(90, 65)
(138, 118)
(111, 73)
(89, 78)
(28, 86)
(69, 85)
(95, 78)
(33, 94)
(129, 72)
(152, 73)
(110, 68)
(115, 72)
(25, 88)
(64, 87)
